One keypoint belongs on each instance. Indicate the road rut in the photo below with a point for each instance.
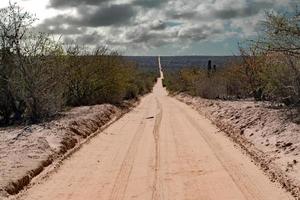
(161, 150)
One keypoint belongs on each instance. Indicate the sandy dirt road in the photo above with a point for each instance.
(163, 149)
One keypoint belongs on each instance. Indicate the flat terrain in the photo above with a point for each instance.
(163, 149)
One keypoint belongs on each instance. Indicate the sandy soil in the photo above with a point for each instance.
(163, 149)
(26, 151)
(267, 135)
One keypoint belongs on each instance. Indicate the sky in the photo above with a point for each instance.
(154, 27)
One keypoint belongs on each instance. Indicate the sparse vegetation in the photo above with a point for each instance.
(40, 76)
(267, 69)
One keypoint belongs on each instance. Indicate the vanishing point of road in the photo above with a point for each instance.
(161, 150)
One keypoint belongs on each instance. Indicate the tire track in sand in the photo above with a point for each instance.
(121, 182)
(157, 184)
(249, 189)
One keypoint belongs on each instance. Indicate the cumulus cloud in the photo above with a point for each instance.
(246, 10)
(200, 32)
(149, 3)
(156, 23)
(108, 15)
(62, 4)
(227, 9)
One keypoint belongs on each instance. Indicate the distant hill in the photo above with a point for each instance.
(144, 61)
(176, 62)
(194, 61)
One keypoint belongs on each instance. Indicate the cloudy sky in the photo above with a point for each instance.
(154, 27)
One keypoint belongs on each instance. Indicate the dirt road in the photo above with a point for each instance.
(161, 150)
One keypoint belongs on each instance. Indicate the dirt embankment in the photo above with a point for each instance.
(26, 151)
(266, 134)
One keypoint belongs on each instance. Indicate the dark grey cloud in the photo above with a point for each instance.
(149, 3)
(61, 4)
(148, 37)
(152, 39)
(154, 23)
(158, 38)
(181, 14)
(227, 12)
(198, 33)
(249, 10)
(109, 15)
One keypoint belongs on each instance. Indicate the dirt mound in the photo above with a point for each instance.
(26, 151)
(265, 133)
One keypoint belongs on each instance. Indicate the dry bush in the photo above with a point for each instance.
(14, 23)
(103, 77)
(40, 76)
(196, 82)
(276, 58)
(40, 80)
(269, 68)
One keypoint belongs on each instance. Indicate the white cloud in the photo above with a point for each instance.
(151, 25)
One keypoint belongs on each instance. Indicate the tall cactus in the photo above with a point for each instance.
(209, 67)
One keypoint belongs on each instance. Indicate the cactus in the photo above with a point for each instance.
(209, 66)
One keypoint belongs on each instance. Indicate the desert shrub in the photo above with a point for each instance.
(104, 78)
(30, 78)
(13, 25)
(280, 45)
(196, 82)
(279, 80)
(273, 59)
(40, 76)
(236, 81)
(268, 68)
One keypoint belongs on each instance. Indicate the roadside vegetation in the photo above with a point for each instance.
(268, 67)
(40, 76)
